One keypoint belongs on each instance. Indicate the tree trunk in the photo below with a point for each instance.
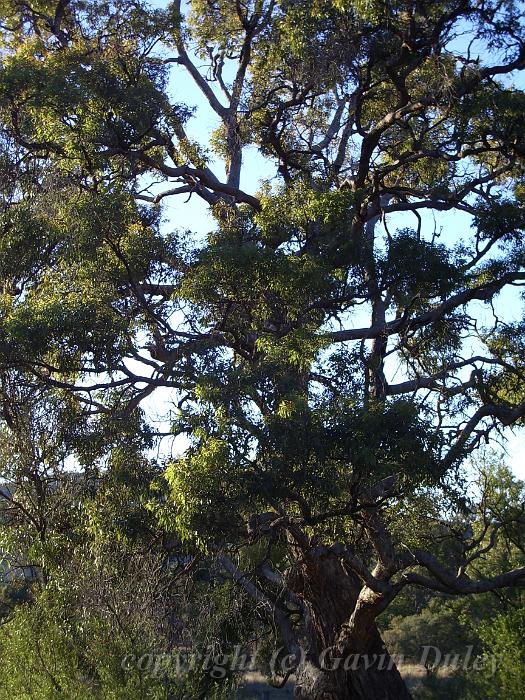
(371, 676)
(340, 661)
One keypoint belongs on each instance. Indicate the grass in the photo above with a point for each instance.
(256, 686)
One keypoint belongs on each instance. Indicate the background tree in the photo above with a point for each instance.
(488, 624)
(99, 602)
(333, 356)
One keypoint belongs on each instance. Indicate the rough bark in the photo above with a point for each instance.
(340, 666)
(370, 676)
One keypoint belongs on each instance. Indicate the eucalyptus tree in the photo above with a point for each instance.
(333, 356)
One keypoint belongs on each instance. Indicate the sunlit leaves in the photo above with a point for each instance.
(416, 269)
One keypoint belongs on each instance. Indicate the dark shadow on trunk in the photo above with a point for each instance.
(355, 666)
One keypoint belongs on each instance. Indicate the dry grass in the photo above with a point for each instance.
(256, 686)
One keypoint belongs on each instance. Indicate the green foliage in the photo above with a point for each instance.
(503, 639)
(313, 455)
(416, 269)
(501, 217)
(71, 272)
(321, 346)
(301, 213)
(69, 105)
(441, 623)
(93, 588)
(52, 650)
(485, 631)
